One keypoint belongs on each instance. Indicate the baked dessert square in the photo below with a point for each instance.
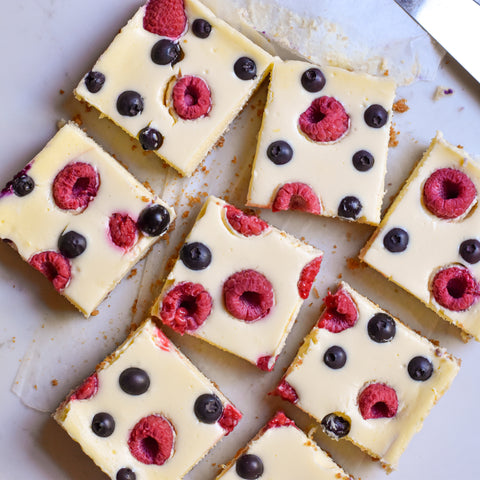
(147, 412)
(367, 377)
(279, 451)
(77, 216)
(323, 143)
(175, 77)
(428, 242)
(238, 283)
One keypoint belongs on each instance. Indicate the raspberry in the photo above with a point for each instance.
(280, 420)
(455, 288)
(123, 230)
(286, 391)
(244, 224)
(378, 401)
(297, 196)
(265, 363)
(340, 312)
(152, 440)
(307, 277)
(325, 120)
(54, 266)
(191, 98)
(87, 389)
(230, 418)
(75, 186)
(185, 307)
(161, 340)
(448, 193)
(165, 17)
(248, 295)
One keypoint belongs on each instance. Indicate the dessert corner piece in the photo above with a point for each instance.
(147, 412)
(382, 377)
(79, 218)
(238, 283)
(175, 77)
(323, 143)
(278, 450)
(428, 242)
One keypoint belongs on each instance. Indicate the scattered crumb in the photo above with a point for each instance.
(441, 92)
(14, 339)
(354, 263)
(386, 73)
(132, 273)
(95, 313)
(148, 187)
(61, 92)
(219, 143)
(54, 382)
(400, 106)
(315, 292)
(145, 199)
(185, 213)
(234, 159)
(339, 275)
(459, 146)
(35, 387)
(393, 140)
(78, 119)
(134, 147)
(134, 306)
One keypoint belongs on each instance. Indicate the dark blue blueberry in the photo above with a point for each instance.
(201, 28)
(420, 369)
(125, 474)
(245, 68)
(129, 103)
(470, 250)
(335, 425)
(103, 424)
(166, 52)
(23, 185)
(395, 240)
(375, 116)
(350, 207)
(134, 381)
(249, 466)
(335, 357)
(363, 160)
(381, 328)
(313, 80)
(208, 408)
(153, 220)
(196, 255)
(150, 139)
(279, 152)
(72, 244)
(94, 81)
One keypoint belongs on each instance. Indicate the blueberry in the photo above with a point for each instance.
(129, 103)
(245, 68)
(134, 381)
(208, 408)
(335, 357)
(420, 369)
(381, 328)
(375, 116)
(350, 207)
(23, 185)
(150, 139)
(335, 425)
(313, 80)
(103, 424)
(72, 244)
(363, 160)
(249, 466)
(201, 28)
(196, 255)
(279, 152)
(94, 81)
(153, 220)
(396, 240)
(470, 250)
(166, 52)
(125, 474)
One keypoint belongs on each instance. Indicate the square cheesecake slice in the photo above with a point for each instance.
(429, 240)
(146, 412)
(281, 451)
(80, 218)
(382, 377)
(175, 77)
(323, 143)
(238, 283)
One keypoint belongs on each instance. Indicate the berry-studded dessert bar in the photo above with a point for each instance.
(281, 451)
(175, 77)
(238, 283)
(147, 413)
(77, 216)
(429, 240)
(366, 376)
(323, 143)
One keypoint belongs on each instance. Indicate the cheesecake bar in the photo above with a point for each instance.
(77, 216)
(323, 143)
(367, 377)
(147, 413)
(428, 242)
(175, 77)
(281, 451)
(238, 283)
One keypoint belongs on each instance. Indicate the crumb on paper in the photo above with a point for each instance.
(400, 106)
(460, 146)
(393, 138)
(315, 292)
(61, 92)
(78, 119)
(134, 147)
(339, 276)
(220, 142)
(95, 313)
(54, 382)
(132, 273)
(134, 306)
(441, 92)
(354, 263)
(35, 387)
(146, 184)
